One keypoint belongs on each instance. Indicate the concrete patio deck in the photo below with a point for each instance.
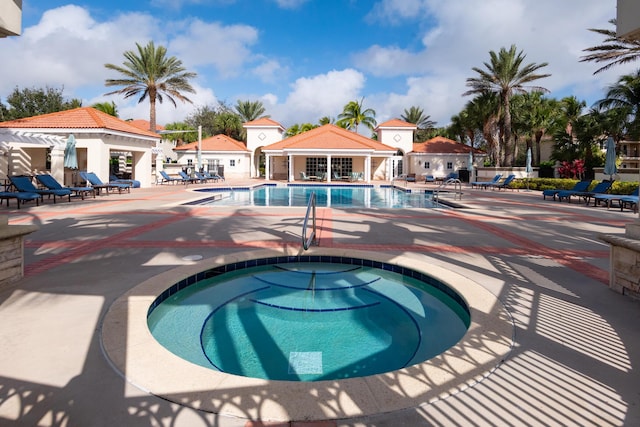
(575, 358)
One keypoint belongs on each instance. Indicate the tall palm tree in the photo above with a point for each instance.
(250, 110)
(354, 113)
(483, 113)
(107, 107)
(539, 114)
(506, 75)
(625, 94)
(417, 116)
(614, 50)
(149, 73)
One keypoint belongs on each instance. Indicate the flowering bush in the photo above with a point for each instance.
(573, 170)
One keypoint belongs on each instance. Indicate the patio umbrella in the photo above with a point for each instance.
(70, 154)
(528, 169)
(610, 161)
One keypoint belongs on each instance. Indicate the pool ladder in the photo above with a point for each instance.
(311, 211)
(457, 189)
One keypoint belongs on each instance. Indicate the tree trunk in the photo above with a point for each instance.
(152, 114)
(508, 144)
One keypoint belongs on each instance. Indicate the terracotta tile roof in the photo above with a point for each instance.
(218, 142)
(78, 118)
(144, 124)
(263, 121)
(329, 137)
(396, 123)
(442, 145)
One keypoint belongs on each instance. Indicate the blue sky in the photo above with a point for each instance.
(305, 59)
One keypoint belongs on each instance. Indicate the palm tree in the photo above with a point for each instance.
(613, 51)
(297, 129)
(354, 114)
(250, 110)
(150, 74)
(326, 120)
(625, 94)
(416, 116)
(505, 75)
(483, 113)
(107, 107)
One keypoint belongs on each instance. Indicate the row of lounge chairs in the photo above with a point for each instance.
(496, 183)
(599, 193)
(25, 190)
(183, 178)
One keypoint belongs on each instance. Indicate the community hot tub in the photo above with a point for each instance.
(353, 300)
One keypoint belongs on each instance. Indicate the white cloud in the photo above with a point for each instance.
(225, 47)
(290, 4)
(462, 34)
(322, 95)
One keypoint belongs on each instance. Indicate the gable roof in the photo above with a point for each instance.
(442, 145)
(329, 137)
(263, 122)
(77, 118)
(144, 124)
(396, 123)
(218, 142)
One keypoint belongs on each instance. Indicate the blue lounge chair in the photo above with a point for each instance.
(630, 202)
(130, 182)
(168, 179)
(503, 184)
(52, 184)
(609, 199)
(600, 188)
(20, 196)
(217, 177)
(429, 178)
(202, 177)
(23, 184)
(485, 184)
(98, 185)
(186, 178)
(579, 186)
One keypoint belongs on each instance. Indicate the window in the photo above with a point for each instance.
(189, 162)
(427, 165)
(449, 165)
(232, 162)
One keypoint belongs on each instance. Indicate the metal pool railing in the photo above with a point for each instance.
(311, 211)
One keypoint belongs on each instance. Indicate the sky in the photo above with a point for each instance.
(306, 59)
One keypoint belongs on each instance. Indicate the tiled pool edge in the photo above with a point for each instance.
(132, 350)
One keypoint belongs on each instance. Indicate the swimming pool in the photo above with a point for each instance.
(342, 196)
(302, 319)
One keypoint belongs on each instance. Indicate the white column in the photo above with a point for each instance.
(267, 167)
(329, 168)
(291, 169)
(367, 168)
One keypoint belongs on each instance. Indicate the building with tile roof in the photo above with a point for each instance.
(333, 153)
(440, 156)
(99, 137)
(226, 156)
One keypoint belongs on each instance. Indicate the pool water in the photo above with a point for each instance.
(326, 196)
(308, 321)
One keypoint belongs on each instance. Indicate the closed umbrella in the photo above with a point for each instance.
(70, 154)
(528, 169)
(610, 161)
(471, 165)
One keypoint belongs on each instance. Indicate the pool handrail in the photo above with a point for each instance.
(311, 209)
